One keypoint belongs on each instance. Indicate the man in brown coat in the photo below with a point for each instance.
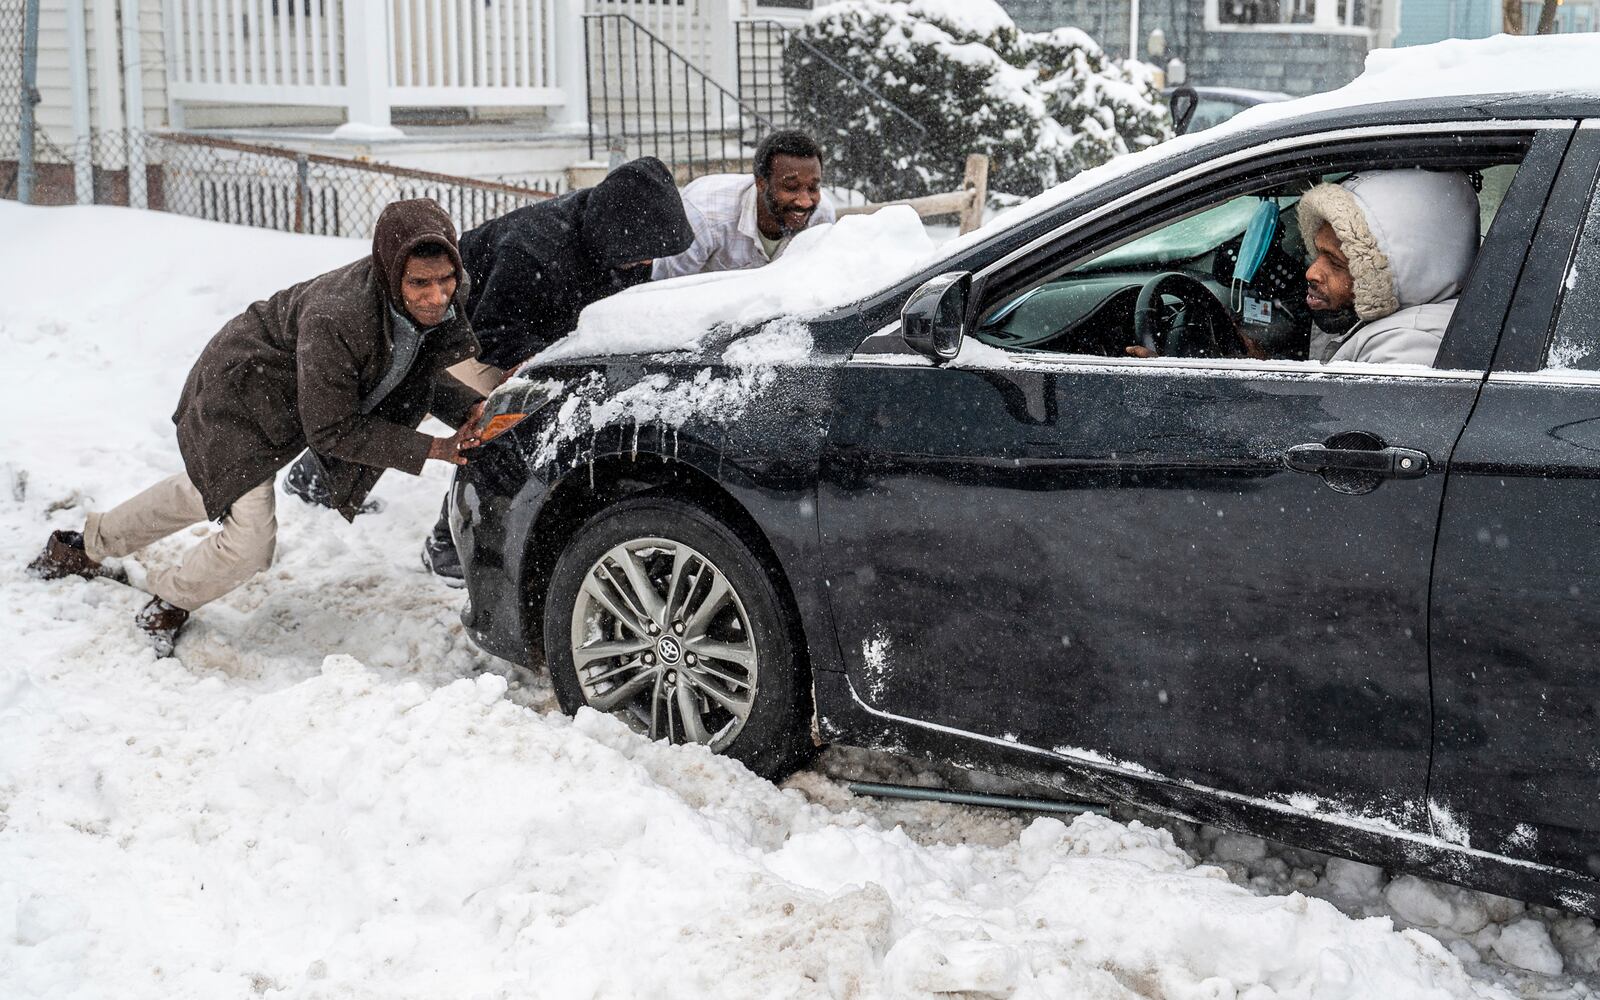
(348, 364)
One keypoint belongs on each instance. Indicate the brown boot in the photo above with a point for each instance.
(161, 622)
(63, 556)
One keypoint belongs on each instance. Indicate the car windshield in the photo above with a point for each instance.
(1186, 239)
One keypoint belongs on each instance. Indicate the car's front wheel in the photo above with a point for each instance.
(662, 615)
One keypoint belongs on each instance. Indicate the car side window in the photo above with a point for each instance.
(1575, 342)
(1229, 279)
(1239, 263)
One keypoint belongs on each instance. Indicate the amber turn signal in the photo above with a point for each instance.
(499, 425)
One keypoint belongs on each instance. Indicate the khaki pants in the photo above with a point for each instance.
(477, 375)
(218, 564)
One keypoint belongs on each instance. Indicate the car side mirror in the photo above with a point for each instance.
(935, 317)
(1183, 102)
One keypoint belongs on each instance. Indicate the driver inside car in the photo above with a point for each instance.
(1390, 251)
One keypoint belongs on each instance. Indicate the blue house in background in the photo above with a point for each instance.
(1424, 21)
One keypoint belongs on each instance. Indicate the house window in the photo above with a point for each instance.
(1264, 11)
(1311, 15)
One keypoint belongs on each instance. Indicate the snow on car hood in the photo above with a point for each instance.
(824, 267)
(661, 400)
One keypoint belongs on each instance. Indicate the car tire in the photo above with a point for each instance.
(678, 660)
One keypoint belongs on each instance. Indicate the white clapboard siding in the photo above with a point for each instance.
(54, 111)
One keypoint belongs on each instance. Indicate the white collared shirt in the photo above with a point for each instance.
(722, 211)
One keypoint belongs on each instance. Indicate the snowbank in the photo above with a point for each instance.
(329, 793)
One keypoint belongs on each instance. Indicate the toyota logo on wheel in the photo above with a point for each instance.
(669, 649)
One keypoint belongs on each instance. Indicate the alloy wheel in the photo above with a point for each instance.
(662, 639)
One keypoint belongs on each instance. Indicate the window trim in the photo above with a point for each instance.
(1590, 220)
(1531, 316)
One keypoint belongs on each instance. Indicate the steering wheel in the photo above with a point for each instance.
(1174, 331)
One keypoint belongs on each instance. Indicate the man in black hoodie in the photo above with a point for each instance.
(534, 270)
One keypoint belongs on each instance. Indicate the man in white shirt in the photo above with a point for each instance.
(747, 220)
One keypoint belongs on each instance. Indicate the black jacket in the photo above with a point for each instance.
(533, 270)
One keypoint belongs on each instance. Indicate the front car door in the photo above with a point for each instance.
(1106, 559)
(1516, 616)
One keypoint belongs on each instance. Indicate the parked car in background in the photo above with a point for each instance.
(969, 526)
(1197, 108)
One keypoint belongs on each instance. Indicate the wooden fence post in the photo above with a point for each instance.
(976, 186)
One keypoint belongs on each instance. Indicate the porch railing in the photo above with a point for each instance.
(646, 98)
(371, 55)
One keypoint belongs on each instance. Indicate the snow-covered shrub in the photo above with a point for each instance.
(1042, 106)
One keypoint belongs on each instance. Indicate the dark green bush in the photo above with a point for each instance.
(1042, 106)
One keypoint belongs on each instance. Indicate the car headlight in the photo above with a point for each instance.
(512, 402)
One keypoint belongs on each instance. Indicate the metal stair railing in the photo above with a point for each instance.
(646, 98)
(761, 79)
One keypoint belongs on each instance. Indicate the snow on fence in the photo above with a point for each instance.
(967, 203)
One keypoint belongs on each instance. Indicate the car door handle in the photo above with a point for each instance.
(1394, 463)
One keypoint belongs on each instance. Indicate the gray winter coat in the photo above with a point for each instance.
(1410, 237)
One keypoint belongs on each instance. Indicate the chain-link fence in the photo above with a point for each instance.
(304, 192)
(13, 14)
(268, 186)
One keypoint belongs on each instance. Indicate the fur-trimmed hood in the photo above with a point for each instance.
(1409, 235)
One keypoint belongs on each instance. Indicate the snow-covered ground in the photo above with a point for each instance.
(329, 793)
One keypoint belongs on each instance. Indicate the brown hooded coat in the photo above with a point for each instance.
(290, 372)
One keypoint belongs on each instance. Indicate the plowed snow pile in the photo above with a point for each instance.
(329, 793)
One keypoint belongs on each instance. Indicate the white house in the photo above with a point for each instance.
(482, 88)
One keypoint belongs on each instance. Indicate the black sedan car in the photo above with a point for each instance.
(1350, 606)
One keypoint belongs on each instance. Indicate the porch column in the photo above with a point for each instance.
(1326, 13)
(572, 64)
(133, 94)
(82, 137)
(366, 71)
(722, 59)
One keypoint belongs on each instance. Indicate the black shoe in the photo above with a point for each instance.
(63, 556)
(441, 559)
(307, 480)
(161, 622)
